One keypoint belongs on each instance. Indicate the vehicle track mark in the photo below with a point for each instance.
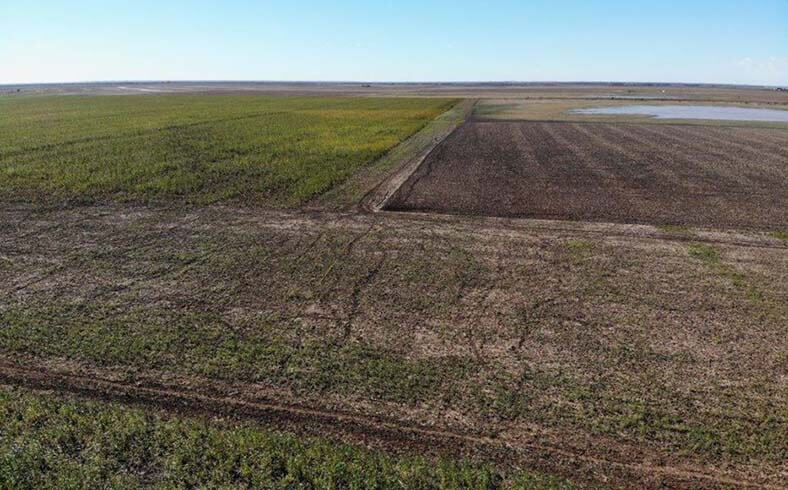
(395, 433)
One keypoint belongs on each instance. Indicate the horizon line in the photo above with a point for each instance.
(433, 82)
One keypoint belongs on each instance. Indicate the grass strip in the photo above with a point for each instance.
(49, 442)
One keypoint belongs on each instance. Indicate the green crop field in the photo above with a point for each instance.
(48, 442)
(279, 151)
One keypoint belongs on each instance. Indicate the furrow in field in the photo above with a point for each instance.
(601, 172)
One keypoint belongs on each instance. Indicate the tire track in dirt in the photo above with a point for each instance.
(578, 230)
(740, 136)
(422, 170)
(571, 146)
(359, 287)
(677, 162)
(627, 175)
(748, 177)
(392, 434)
(680, 148)
(726, 141)
(377, 198)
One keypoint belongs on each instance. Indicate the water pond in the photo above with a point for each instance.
(691, 112)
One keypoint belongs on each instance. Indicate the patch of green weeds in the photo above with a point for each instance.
(706, 253)
(48, 442)
(579, 250)
(780, 235)
(673, 229)
(204, 344)
(711, 257)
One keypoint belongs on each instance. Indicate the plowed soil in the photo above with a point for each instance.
(625, 173)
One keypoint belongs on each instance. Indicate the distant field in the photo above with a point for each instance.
(532, 91)
(629, 173)
(502, 109)
(280, 151)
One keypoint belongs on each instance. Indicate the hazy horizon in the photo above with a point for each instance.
(392, 82)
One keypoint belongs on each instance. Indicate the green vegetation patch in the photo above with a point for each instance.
(739, 280)
(279, 151)
(364, 181)
(707, 254)
(674, 229)
(781, 235)
(47, 442)
(204, 344)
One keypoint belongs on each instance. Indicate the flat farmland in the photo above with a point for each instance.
(208, 291)
(571, 352)
(627, 173)
(563, 109)
(276, 151)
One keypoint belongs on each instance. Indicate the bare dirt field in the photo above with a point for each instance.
(629, 173)
(525, 343)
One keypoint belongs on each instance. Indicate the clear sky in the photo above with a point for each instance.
(727, 41)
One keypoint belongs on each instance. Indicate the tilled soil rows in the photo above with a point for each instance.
(624, 173)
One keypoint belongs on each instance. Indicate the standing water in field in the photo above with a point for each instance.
(692, 112)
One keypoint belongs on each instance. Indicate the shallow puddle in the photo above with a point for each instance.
(692, 112)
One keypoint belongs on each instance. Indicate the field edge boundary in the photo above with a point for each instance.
(437, 131)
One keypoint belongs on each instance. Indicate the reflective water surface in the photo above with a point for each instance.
(692, 112)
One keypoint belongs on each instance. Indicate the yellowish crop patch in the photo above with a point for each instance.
(279, 151)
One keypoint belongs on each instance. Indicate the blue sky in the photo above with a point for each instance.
(729, 41)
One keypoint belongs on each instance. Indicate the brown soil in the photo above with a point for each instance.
(626, 173)
(556, 311)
